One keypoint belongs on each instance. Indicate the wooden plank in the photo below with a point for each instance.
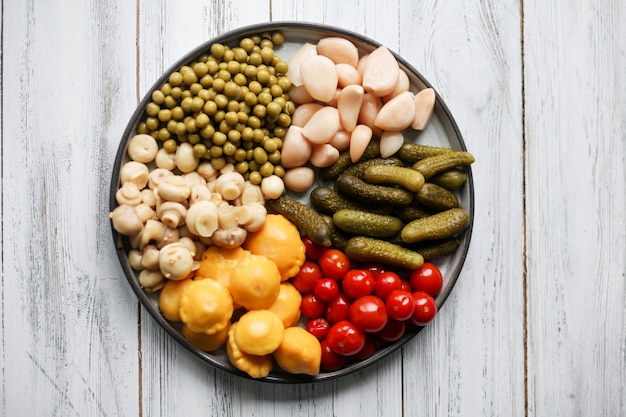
(575, 73)
(470, 360)
(69, 336)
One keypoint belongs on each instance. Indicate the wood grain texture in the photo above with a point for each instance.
(69, 336)
(575, 75)
(470, 361)
(537, 89)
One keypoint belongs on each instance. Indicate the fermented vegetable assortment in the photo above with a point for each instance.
(276, 210)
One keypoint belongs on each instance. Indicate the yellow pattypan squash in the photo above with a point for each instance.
(206, 342)
(218, 263)
(169, 298)
(299, 353)
(287, 304)
(259, 332)
(253, 365)
(255, 283)
(279, 240)
(206, 306)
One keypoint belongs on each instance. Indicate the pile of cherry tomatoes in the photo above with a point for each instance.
(353, 311)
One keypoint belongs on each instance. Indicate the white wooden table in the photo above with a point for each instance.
(536, 325)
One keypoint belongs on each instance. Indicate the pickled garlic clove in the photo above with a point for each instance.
(381, 72)
(322, 126)
(397, 114)
(339, 50)
(319, 77)
(349, 106)
(424, 105)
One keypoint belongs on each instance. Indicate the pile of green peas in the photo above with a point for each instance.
(231, 104)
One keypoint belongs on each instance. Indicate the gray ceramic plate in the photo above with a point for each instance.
(442, 131)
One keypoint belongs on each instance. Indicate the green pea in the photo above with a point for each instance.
(234, 136)
(200, 69)
(240, 155)
(197, 104)
(170, 145)
(164, 134)
(255, 58)
(255, 177)
(233, 105)
(255, 87)
(240, 80)
(194, 138)
(246, 44)
(260, 156)
(202, 120)
(265, 98)
(219, 138)
(247, 134)
(279, 171)
(190, 77)
(152, 123)
(177, 113)
(221, 100)
(218, 163)
(207, 132)
(260, 111)
(195, 88)
(274, 157)
(254, 122)
(219, 116)
(266, 43)
(282, 67)
(229, 149)
(263, 76)
(276, 91)
(175, 79)
(180, 129)
(158, 97)
(266, 169)
(171, 126)
(229, 55)
(199, 150)
(170, 102)
(166, 89)
(273, 109)
(283, 120)
(216, 151)
(165, 115)
(206, 81)
(270, 145)
(219, 84)
(210, 107)
(278, 38)
(152, 109)
(142, 128)
(241, 166)
(217, 50)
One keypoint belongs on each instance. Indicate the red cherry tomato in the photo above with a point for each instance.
(334, 264)
(425, 308)
(368, 313)
(386, 282)
(400, 305)
(307, 277)
(331, 361)
(345, 339)
(313, 251)
(368, 349)
(318, 327)
(312, 307)
(358, 283)
(406, 286)
(338, 309)
(326, 289)
(374, 268)
(393, 331)
(426, 278)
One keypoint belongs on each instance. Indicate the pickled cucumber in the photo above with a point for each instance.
(304, 217)
(410, 152)
(354, 187)
(434, 165)
(394, 175)
(362, 223)
(434, 197)
(367, 249)
(438, 226)
(329, 201)
(450, 180)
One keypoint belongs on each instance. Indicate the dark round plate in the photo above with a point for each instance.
(442, 131)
